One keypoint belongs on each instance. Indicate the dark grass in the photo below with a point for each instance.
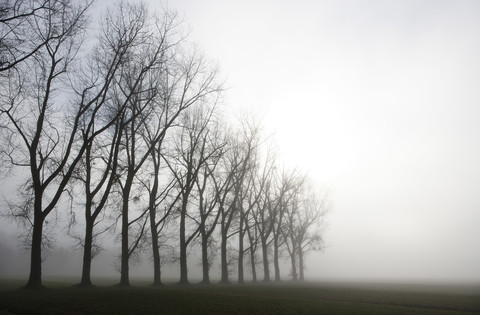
(287, 298)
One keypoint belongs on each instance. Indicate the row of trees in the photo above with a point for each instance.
(125, 124)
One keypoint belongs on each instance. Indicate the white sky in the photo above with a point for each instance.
(379, 100)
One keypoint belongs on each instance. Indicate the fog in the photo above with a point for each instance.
(377, 100)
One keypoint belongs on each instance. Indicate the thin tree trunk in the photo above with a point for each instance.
(124, 270)
(183, 246)
(157, 281)
(266, 270)
(252, 262)
(153, 226)
(205, 263)
(252, 255)
(240, 251)
(275, 258)
(224, 262)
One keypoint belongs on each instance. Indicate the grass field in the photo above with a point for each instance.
(286, 298)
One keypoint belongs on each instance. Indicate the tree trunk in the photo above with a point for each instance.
(224, 262)
(294, 265)
(205, 263)
(275, 258)
(300, 264)
(87, 252)
(252, 262)
(124, 270)
(183, 247)
(252, 256)
(35, 278)
(266, 270)
(240, 251)
(157, 281)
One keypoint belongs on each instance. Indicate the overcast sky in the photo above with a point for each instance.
(379, 101)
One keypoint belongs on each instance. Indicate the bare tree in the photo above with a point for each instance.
(288, 186)
(134, 95)
(161, 202)
(302, 229)
(263, 214)
(289, 234)
(191, 152)
(19, 20)
(225, 185)
(238, 162)
(37, 136)
(253, 239)
(159, 82)
(251, 195)
(156, 85)
(309, 225)
(97, 174)
(208, 197)
(119, 37)
(243, 213)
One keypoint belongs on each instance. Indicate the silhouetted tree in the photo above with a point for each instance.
(238, 163)
(133, 120)
(225, 186)
(191, 152)
(287, 186)
(253, 238)
(161, 202)
(303, 222)
(309, 225)
(136, 93)
(159, 76)
(251, 194)
(208, 196)
(37, 135)
(289, 234)
(120, 35)
(263, 214)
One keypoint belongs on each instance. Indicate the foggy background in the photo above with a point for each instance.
(378, 100)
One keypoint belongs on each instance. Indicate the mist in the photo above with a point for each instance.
(378, 100)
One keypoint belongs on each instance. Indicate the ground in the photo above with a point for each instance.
(61, 297)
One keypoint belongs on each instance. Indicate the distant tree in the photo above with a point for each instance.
(287, 185)
(251, 193)
(191, 152)
(309, 226)
(238, 162)
(253, 238)
(289, 234)
(225, 185)
(243, 213)
(303, 226)
(263, 214)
